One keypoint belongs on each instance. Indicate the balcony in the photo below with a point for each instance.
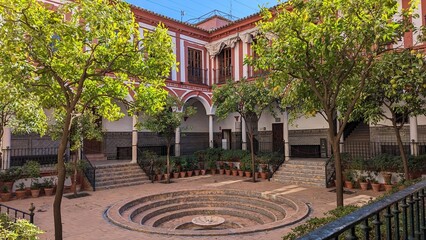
(197, 75)
(221, 75)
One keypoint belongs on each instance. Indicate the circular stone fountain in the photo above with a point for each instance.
(203, 212)
(208, 221)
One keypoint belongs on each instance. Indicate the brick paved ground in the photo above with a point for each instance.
(83, 218)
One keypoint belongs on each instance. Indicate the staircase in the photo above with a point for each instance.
(96, 157)
(119, 175)
(303, 172)
(361, 133)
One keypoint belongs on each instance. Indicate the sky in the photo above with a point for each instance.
(194, 9)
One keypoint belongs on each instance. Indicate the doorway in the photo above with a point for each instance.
(226, 135)
(277, 137)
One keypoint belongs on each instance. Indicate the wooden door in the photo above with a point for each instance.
(277, 137)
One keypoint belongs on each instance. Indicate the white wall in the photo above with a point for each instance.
(304, 123)
(122, 125)
(198, 122)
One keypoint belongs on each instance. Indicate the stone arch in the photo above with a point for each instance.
(200, 96)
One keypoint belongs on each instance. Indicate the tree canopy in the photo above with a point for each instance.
(84, 55)
(320, 56)
(248, 98)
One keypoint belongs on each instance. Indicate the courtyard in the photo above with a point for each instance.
(83, 218)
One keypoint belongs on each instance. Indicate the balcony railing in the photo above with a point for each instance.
(223, 74)
(196, 75)
(398, 216)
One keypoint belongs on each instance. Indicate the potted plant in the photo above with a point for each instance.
(388, 181)
(221, 167)
(35, 188)
(363, 183)
(48, 186)
(375, 185)
(212, 166)
(196, 168)
(349, 179)
(240, 171)
(227, 169)
(9, 176)
(20, 190)
(5, 193)
(32, 170)
(174, 167)
(234, 171)
(265, 170)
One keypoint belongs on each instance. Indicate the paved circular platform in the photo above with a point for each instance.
(172, 213)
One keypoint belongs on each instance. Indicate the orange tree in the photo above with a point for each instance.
(320, 56)
(85, 55)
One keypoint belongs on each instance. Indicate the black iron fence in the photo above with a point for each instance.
(19, 156)
(89, 171)
(16, 214)
(366, 150)
(398, 216)
(146, 164)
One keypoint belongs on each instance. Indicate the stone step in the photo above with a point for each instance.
(117, 166)
(299, 174)
(106, 182)
(302, 172)
(110, 173)
(301, 183)
(122, 185)
(301, 179)
(119, 178)
(306, 162)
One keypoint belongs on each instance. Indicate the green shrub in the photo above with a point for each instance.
(22, 229)
(317, 222)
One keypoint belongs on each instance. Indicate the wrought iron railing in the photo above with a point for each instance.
(330, 172)
(398, 216)
(223, 74)
(366, 150)
(45, 156)
(147, 165)
(15, 214)
(196, 75)
(89, 171)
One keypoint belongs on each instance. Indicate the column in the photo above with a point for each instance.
(414, 137)
(211, 131)
(177, 142)
(285, 137)
(243, 134)
(5, 147)
(134, 139)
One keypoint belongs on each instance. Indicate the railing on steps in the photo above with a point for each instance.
(147, 165)
(15, 214)
(89, 171)
(330, 172)
(398, 216)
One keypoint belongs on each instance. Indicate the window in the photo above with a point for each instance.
(225, 68)
(195, 71)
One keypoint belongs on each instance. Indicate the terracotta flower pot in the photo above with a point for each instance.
(189, 173)
(375, 187)
(388, 187)
(20, 194)
(5, 197)
(349, 184)
(221, 171)
(264, 175)
(203, 172)
(166, 176)
(196, 172)
(159, 177)
(175, 175)
(248, 174)
(48, 191)
(240, 173)
(363, 185)
(213, 171)
(234, 173)
(9, 185)
(35, 193)
(228, 172)
(182, 174)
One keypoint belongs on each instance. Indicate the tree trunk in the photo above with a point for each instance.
(253, 171)
(61, 177)
(168, 163)
(401, 150)
(337, 162)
